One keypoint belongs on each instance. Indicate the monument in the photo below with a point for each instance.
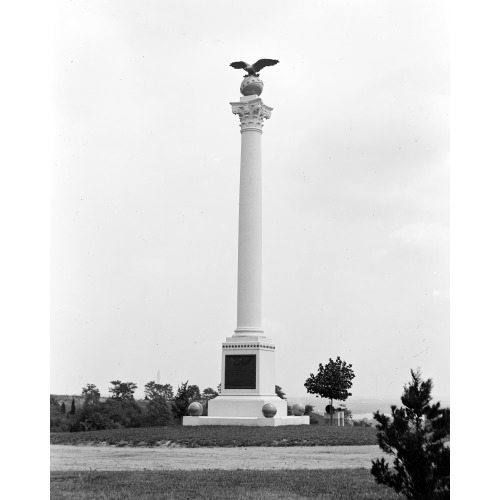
(247, 395)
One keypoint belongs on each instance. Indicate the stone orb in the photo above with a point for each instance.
(251, 85)
(298, 409)
(269, 410)
(195, 409)
(329, 409)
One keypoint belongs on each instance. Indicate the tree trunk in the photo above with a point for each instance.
(331, 411)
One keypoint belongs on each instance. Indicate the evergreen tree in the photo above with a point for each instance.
(417, 435)
(332, 381)
(186, 394)
(73, 407)
(279, 392)
(63, 408)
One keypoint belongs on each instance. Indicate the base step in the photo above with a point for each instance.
(247, 421)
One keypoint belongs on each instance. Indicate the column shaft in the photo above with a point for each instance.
(249, 317)
(252, 113)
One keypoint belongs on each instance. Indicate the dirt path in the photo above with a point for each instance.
(165, 458)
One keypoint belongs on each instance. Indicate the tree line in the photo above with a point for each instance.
(162, 407)
(120, 409)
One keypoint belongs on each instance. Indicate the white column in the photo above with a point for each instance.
(252, 112)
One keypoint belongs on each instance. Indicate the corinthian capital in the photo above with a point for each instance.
(252, 114)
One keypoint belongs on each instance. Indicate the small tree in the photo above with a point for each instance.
(347, 415)
(332, 381)
(279, 392)
(416, 436)
(209, 393)
(193, 393)
(91, 395)
(122, 391)
(153, 391)
(121, 407)
(73, 407)
(63, 408)
(158, 408)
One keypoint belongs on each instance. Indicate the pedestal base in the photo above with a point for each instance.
(244, 406)
(246, 421)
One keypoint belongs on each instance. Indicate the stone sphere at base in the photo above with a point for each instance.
(251, 85)
(298, 409)
(329, 409)
(195, 409)
(269, 410)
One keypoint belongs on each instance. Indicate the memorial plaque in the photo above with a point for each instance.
(241, 371)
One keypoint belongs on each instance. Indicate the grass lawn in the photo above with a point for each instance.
(209, 436)
(217, 484)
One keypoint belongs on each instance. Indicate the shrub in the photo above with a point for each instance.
(158, 413)
(209, 393)
(58, 418)
(313, 419)
(111, 414)
(361, 423)
(92, 418)
(126, 412)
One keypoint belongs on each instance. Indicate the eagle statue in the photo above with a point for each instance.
(252, 69)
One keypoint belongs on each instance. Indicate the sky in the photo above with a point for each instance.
(144, 190)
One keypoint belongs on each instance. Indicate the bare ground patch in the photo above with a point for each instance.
(167, 457)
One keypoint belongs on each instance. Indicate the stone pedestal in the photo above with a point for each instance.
(247, 379)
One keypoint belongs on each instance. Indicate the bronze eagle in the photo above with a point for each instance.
(252, 69)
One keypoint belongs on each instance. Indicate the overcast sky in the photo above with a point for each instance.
(145, 186)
